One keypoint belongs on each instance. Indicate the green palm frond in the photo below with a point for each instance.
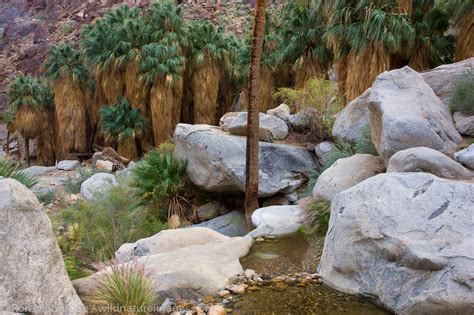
(8, 169)
(160, 61)
(65, 61)
(167, 23)
(28, 91)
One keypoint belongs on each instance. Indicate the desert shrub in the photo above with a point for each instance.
(104, 224)
(127, 288)
(73, 184)
(159, 181)
(462, 99)
(317, 217)
(47, 197)
(166, 147)
(364, 144)
(8, 169)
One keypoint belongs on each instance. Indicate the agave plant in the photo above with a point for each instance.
(123, 124)
(32, 102)
(68, 75)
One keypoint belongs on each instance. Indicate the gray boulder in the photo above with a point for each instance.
(345, 173)
(230, 224)
(350, 122)
(276, 220)
(322, 151)
(406, 113)
(33, 278)
(210, 210)
(227, 119)
(39, 170)
(186, 270)
(68, 165)
(271, 127)
(428, 161)
(216, 161)
(441, 79)
(466, 156)
(301, 121)
(406, 240)
(97, 184)
(464, 123)
(283, 112)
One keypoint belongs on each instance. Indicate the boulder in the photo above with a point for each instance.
(345, 173)
(68, 165)
(96, 184)
(322, 150)
(466, 156)
(33, 278)
(350, 122)
(406, 113)
(216, 161)
(276, 201)
(227, 119)
(441, 79)
(186, 271)
(210, 210)
(107, 166)
(301, 121)
(283, 112)
(428, 161)
(276, 220)
(464, 123)
(230, 224)
(406, 240)
(39, 170)
(271, 127)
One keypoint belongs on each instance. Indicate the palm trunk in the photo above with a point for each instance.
(128, 148)
(205, 85)
(309, 69)
(161, 107)
(465, 41)
(27, 151)
(8, 143)
(252, 156)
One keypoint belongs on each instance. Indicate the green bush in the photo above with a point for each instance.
(8, 169)
(73, 184)
(364, 144)
(74, 268)
(128, 288)
(47, 197)
(159, 181)
(462, 99)
(104, 224)
(318, 214)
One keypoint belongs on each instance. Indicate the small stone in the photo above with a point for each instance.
(280, 286)
(216, 310)
(270, 237)
(104, 165)
(250, 274)
(198, 310)
(223, 293)
(253, 288)
(237, 288)
(259, 239)
(68, 165)
(189, 313)
(278, 279)
(227, 301)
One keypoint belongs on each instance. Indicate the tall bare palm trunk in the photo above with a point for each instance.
(309, 68)
(161, 107)
(465, 42)
(111, 83)
(252, 156)
(128, 148)
(205, 86)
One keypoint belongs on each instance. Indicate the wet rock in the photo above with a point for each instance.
(216, 310)
(271, 127)
(466, 156)
(230, 224)
(68, 165)
(464, 123)
(223, 293)
(97, 184)
(276, 220)
(429, 161)
(283, 112)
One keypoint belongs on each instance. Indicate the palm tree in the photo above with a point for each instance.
(32, 102)
(366, 34)
(209, 56)
(122, 124)
(252, 158)
(68, 76)
(161, 68)
(463, 16)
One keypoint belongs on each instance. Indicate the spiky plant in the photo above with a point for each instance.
(32, 101)
(68, 76)
(159, 180)
(125, 125)
(208, 57)
(367, 33)
(161, 68)
(8, 169)
(303, 45)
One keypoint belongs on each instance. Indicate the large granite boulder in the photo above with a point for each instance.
(276, 220)
(441, 79)
(283, 112)
(38, 170)
(464, 123)
(33, 278)
(216, 161)
(406, 240)
(345, 173)
(406, 113)
(429, 161)
(323, 151)
(185, 263)
(350, 122)
(230, 224)
(97, 184)
(270, 127)
(466, 156)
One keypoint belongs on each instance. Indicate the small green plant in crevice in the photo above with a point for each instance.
(159, 183)
(74, 268)
(73, 184)
(462, 99)
(126, 287)
(8, 169)
(317, 217)
(47, 198)
(364, 143)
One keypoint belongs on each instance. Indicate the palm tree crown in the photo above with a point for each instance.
(65, 61)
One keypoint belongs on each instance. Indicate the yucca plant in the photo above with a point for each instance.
(8, 169)
(125, 288)
(68, 76)
(32, 102)
(159, 180)
(366, 34)
(122, 124)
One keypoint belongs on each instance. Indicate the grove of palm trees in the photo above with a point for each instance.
(237, 157)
